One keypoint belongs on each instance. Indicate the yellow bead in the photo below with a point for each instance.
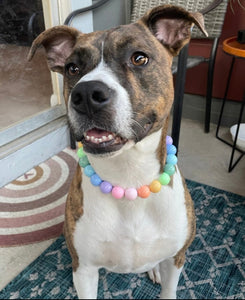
(80, 145)
(155, 186)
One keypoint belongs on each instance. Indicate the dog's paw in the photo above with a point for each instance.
(154, 275)
(165, 294)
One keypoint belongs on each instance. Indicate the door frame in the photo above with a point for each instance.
(35, 139)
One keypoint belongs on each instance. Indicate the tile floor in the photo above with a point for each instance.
(202, 158)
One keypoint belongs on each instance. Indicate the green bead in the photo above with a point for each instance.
(83, 161)
(169, 169)
(164, 178)
(80, 152)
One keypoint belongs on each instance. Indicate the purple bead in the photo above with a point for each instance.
(105, 187)
(169, 140)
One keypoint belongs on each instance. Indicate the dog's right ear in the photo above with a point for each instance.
(172, 25)
(58, 42)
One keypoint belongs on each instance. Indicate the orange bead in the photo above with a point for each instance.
(155, 186)
(144, 191)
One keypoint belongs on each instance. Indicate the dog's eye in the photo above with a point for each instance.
(139, 59)
(73, 69)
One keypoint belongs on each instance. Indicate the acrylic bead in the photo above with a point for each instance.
(80, 152)
(169, 169)
(144, 191)
(131, 193)
(83, 161)
(117, 192)
(95, 180)
(89, 171)
(171, 149)
(164, 178)
(155, 186)
(171, 159)
(105, 187)
(169, 140)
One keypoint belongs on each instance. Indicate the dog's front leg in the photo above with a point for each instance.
(86, 282)
(169, 278)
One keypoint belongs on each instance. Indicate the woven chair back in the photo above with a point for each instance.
(213, 20)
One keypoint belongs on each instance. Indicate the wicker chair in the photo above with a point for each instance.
(214, 13)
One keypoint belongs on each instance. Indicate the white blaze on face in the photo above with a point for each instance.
(121, 104)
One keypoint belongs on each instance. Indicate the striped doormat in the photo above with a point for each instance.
(214, 268)
(32, 207)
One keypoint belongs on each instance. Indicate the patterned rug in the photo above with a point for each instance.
(32, 207)
(214, 268)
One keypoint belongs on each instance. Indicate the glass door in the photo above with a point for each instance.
(30, 96)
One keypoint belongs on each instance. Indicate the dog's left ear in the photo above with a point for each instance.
(172, 25)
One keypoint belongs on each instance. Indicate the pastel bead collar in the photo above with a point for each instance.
(132, 193)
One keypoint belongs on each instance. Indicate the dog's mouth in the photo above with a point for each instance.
(99, 141)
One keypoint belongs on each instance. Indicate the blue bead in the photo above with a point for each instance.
(95, 180)
(171, 159)
(89, 171)
(171, 149)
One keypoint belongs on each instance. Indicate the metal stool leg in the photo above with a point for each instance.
(72, 140)
(179, 94)
(231, 167)
(210, 84)
(224, 99)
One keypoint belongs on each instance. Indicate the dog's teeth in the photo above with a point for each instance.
(101, 139)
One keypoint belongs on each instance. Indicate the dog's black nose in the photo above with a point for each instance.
(90, 96)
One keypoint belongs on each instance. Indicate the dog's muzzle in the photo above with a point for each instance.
(95, 119)
(92, 102)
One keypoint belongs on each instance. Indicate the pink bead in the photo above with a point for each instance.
(131, 194)
(117, 192)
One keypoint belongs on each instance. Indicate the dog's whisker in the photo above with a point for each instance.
(145, 118)
(137, 123)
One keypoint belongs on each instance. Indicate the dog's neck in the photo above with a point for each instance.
(135, 166)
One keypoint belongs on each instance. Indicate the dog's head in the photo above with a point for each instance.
(118, 83)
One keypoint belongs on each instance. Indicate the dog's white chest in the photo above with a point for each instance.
(126, 236)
